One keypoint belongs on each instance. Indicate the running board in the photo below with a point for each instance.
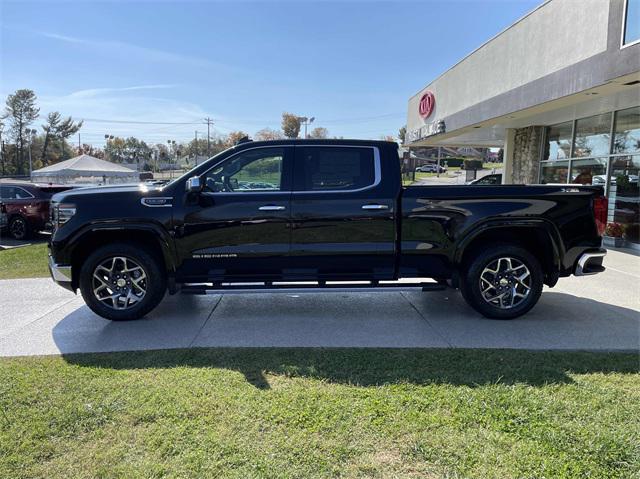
(305, 287)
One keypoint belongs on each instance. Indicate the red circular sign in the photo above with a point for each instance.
(427, 103)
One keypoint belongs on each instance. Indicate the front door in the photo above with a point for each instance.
(239, 228)
(343, 222)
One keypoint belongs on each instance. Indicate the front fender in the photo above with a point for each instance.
(120, 230)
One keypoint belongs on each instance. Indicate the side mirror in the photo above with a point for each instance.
(193, 185)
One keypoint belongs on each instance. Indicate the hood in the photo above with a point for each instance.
(93, 191)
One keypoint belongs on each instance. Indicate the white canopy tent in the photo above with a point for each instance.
(85, 169)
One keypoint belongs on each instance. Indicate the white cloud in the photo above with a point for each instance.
(128, 49)
(107, 111)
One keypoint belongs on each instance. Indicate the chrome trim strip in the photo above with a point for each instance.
(272, 208)
(582, 262)
(60, 273)
(375, 207)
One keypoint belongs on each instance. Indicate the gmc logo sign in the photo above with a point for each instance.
(426, 105)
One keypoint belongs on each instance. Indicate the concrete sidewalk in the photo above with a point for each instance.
(590, 313)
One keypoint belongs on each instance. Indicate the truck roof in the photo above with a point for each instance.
(328, 141)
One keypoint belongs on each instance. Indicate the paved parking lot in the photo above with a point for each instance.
(592, 313)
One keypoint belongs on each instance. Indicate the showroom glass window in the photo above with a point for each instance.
(627, 131)
(593, 136)
(558, 145)
(631, 22)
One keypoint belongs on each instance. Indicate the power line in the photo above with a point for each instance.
(102, 120)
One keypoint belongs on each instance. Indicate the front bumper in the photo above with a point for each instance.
(61, 274)
(590, 262)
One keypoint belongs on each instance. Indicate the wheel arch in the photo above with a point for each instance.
(540, 238)
(147, 236)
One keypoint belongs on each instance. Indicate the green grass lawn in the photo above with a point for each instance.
(24, 262)
(348, 413)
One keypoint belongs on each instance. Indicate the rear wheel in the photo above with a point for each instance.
(19, 228)
(502, 282)
(122, 281)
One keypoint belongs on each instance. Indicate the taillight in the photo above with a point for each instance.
(600, 207)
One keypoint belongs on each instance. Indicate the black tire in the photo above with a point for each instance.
(472, 291)
(155, 281)
(19, 228)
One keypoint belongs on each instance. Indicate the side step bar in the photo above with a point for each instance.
(306, 287)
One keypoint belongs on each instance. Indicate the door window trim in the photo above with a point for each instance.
(377, 170)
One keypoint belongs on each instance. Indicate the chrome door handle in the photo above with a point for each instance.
(271, 208)
(375, 207)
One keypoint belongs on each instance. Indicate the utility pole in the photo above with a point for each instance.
(209, 123)
(195, 156)
(79, 145)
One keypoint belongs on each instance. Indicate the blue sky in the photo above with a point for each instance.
(352, 65)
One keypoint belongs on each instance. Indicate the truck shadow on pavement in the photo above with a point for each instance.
(310, 339)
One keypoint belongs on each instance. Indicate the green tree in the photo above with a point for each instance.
(66, 128)
(402, 133)
(21, 111)
(290, 125)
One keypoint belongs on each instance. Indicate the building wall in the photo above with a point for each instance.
(557, 34)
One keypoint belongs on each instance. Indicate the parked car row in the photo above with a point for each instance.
(27, 206)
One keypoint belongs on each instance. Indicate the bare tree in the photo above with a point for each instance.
(21, 111)
(290, 125)
(268, 134)
(319, 132)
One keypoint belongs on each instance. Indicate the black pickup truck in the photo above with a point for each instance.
(329, 214)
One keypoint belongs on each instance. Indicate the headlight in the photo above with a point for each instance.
(62, 213)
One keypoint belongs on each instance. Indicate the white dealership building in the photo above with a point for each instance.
(559, 90)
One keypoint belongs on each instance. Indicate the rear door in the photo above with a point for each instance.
(343, 223)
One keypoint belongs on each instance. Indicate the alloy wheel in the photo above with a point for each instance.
(18, 228)
(119, 282)
(505, 282)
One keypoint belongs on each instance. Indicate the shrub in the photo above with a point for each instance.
(614, 230)
(472, 164)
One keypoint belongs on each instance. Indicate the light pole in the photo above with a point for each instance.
(32, 135)
(106, 148)
(306, 121)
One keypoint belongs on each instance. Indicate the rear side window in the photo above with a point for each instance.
(320, 168)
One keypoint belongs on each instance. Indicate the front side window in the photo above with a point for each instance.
(631, 22)
(256, 170)
(627, 131)
(593, 136)
(558, 146)
(334, 168)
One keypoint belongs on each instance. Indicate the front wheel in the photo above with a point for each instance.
(502, 282)
(122, 281)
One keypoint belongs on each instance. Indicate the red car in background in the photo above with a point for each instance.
(27, 206)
